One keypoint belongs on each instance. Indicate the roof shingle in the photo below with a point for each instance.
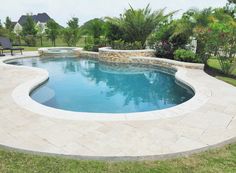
(40, 17)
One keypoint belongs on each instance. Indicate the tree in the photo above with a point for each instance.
(8, 24)
(71, 33)
(52, 31)
(137, 25)
(17, 31)
(113, 32)
(94, 33)
(29, 31)
(230, 8)
(176, 34)
(40, 32)
(166, 40)
(28, 28)
(94, 27)
(198, 20)
(4, 32)
(232, 1)
(220, 40)
(7, 30)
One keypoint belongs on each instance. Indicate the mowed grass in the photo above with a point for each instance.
(221, 160)
(214, 64)
(227, 79)
(47, 43)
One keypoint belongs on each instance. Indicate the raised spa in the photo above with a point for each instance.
(57, 51)
(87, 85)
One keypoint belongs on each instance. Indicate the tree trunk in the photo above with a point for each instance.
(41, 41)
(198, 48)
(19, 40)
(200, 51)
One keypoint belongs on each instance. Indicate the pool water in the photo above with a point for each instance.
(87, 85)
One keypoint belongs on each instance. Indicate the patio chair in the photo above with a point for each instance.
(7, 45)
(1, 52)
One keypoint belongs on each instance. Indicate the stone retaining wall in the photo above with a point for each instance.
(122, 56)
(135, 56)
(87, 54)
(165, 62)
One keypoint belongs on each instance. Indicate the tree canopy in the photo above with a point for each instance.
(137, 25)
(8, 24)
(52, 31)
(95, 27)
(71, 34)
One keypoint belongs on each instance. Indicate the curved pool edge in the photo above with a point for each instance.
(211, 125)
(21, 95)
(124, 158)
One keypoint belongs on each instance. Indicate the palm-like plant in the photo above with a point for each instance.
(191, 19)
(191, 23)
(138, 24)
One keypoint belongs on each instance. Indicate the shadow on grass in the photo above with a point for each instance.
(231, 79)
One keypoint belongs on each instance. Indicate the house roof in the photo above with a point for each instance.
(13, 23)
(40, 17)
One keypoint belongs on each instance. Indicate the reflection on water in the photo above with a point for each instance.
(90, 86)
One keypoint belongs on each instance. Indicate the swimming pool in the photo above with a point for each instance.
(88, 85)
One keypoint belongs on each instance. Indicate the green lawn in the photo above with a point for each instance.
(227, 79)
(214, 64)
(27, 48)
(221, 160)
(47, 43)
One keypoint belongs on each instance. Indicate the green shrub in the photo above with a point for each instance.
(221, 42)
(93, 44)
(185, 55)
(30, 40)
(227, 64)
(164, 49)
(88, 47)
(71, 33)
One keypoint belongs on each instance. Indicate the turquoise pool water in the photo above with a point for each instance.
(87, 85)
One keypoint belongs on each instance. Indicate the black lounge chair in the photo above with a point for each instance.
(7, 45)
(1, 53)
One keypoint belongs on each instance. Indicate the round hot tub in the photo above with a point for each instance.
(58, 51)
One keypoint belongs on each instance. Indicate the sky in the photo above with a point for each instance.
(63, 10)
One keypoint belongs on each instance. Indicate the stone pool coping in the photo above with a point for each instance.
(134, 56)
(208, 119)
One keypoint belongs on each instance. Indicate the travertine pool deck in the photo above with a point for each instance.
(207, 120)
